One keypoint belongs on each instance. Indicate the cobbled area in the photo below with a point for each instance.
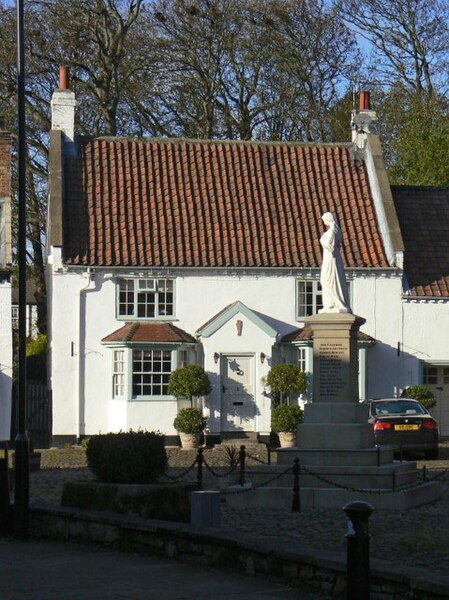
(417, 537)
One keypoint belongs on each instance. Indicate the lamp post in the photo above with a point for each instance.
(21, 488)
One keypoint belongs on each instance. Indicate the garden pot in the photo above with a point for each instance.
(287, 439)
(189, 440)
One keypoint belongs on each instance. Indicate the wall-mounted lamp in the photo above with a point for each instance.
(216, 357)
(263, 356)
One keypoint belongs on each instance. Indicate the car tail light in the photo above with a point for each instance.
(430, 425)
(380, 425)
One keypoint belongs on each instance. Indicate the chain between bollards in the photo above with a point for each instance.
(357, 568)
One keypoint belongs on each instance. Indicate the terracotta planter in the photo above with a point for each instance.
(189, 440)
(287, 439)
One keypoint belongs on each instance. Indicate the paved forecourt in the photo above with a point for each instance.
(54, 571)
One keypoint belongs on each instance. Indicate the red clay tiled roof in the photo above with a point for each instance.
(423, 214)
(149, 332)
(305, 334)
(161, 203)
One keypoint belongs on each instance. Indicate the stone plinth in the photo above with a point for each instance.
(335, 419)
(335, 357)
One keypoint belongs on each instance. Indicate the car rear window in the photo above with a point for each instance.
(397, 408)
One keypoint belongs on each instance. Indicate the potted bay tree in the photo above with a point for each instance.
(188, 382)
(283, 381)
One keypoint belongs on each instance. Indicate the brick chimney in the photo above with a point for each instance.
(63, 106)
(364, 121)
(5, 196)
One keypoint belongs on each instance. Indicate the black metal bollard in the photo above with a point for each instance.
(357, 568)
(242, 456)
(199, 469)
(296, 502)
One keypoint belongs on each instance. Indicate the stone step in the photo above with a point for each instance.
(374, 456)
(391, 476)
(319, 498)
(237, 436)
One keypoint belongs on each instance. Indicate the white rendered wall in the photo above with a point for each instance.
(198, 299)
(5, 360)
(426, 335)
(379, 301)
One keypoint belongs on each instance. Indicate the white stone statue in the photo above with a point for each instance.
(332, 279)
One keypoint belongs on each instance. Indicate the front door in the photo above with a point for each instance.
(237, 393)
(436, 379)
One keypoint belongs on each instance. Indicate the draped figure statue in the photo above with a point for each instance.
(332, 279)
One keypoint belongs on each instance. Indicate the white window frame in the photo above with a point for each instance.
(313, 287)
(119, 373)
(302, 356)
(132, 290)
(151, 378)
(122, 369)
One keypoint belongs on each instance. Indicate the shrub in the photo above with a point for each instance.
(189, 420)
(189, 381)
(286, 379)
(127, 457)
(420, 393)
(36, 358)
(286, 418)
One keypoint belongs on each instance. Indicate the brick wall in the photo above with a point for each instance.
(5, 164)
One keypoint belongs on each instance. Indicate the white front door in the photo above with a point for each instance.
(436, 379)
(238, 407)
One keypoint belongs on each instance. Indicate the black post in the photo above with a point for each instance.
(424, 473)
(242, 455)
(199, 466)
(5, 506)
(296, 502)
(21, 484)
(357, 568)
(401, 453)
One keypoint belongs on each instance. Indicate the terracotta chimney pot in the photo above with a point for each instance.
(63, 78)
(365, 101)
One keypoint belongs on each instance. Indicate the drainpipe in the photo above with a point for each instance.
(80, 424)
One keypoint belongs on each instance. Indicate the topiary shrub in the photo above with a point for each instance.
(189, 381)
(420, 393)
(286, 379)
(285, 418)
(189, 420)
(127, 457)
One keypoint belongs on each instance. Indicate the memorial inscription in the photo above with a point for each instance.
(332, 366)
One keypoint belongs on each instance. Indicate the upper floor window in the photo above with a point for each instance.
(146, 298)
(309, 298)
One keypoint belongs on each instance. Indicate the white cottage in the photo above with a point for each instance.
(163, 252)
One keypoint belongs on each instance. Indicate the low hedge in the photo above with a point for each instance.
(165, 501)
(127, 457)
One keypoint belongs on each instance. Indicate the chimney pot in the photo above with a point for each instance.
(365, 101)
(63, 78)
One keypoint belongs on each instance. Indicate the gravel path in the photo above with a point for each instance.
(415, 537)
